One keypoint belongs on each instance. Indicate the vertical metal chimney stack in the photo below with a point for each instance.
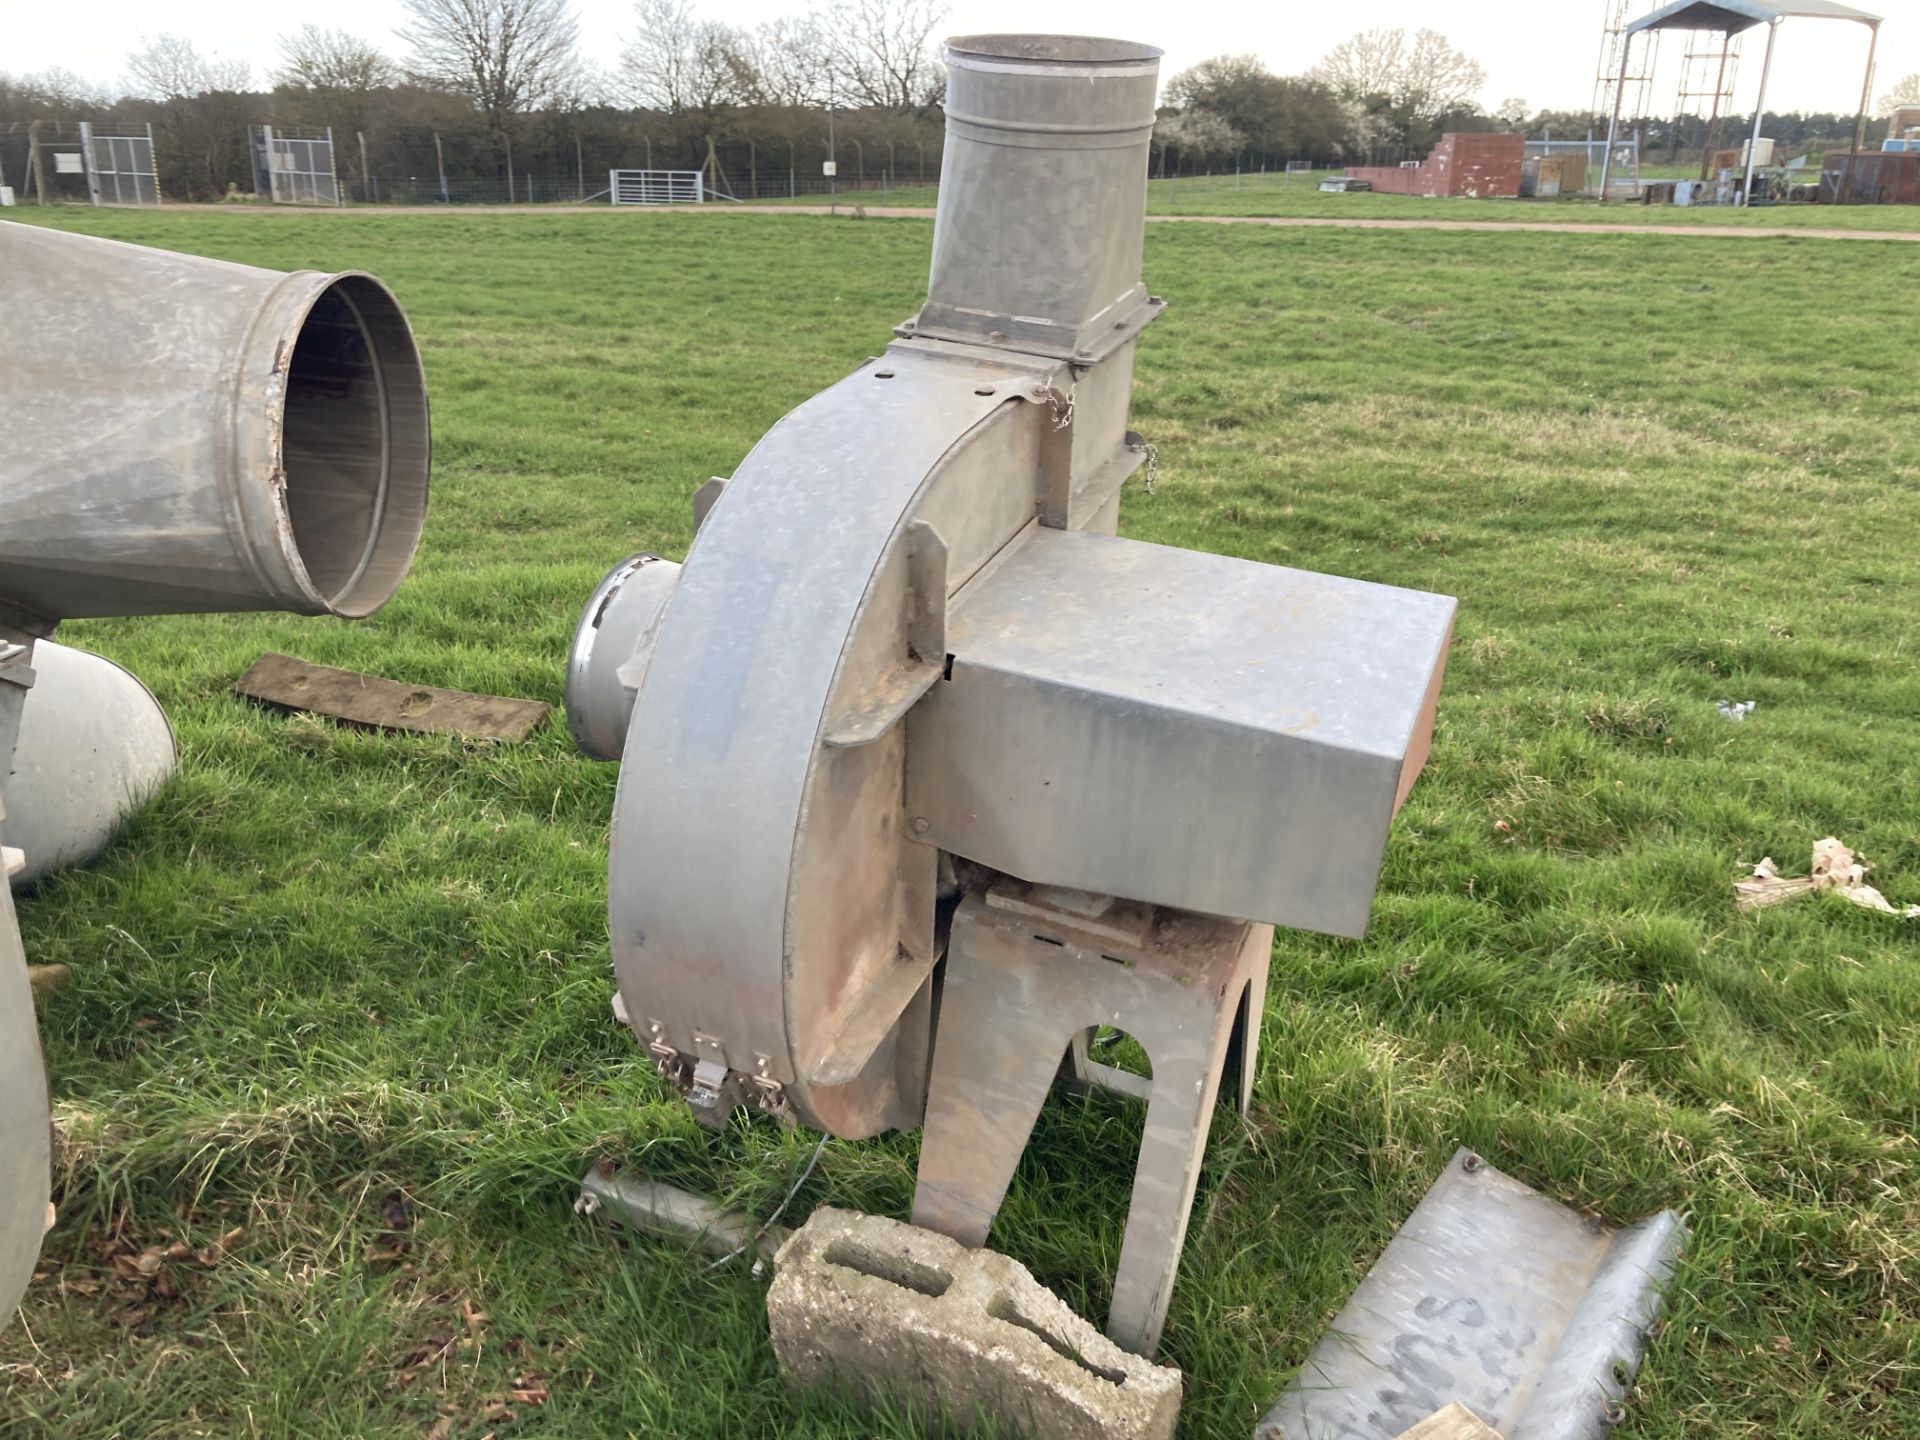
(1037, 242)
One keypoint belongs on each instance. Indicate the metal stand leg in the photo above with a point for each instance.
(1028, 969)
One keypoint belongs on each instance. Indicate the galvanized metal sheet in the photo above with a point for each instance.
(1532, 1315)
(1106, 695)
(1042, 186)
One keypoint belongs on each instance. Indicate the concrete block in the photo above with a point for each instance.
(872, 1306)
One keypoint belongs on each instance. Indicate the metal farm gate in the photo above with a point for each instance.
(294, 167)
(119, 162)
(655, 187)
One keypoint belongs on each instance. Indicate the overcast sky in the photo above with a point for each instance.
(1540, 51)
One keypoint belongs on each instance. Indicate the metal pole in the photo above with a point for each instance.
(833, 159)
(1759, 107)
(366, 185)
(36, 164)
(86, 159)
(440, 164)
(579, 170)
(1860, 116)
(1613, 120)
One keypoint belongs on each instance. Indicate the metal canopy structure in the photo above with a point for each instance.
(1733, 17)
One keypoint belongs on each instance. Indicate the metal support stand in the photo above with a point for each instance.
(1029, 968)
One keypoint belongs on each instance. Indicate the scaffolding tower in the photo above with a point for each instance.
(1635, 83)
(1706, 87)
(1624, 73)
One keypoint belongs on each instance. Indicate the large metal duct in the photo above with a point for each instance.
(188, 434)
(911, 715)
(183, 435)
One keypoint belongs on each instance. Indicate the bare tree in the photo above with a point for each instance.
(881, 53)
(789, 58)
(680, 65)
(1366, 66)
(507, 57)
(1423, 78)
(334, 79)
(317, 59)
(200, 132)
(167, 67)
(59, 91)
(1436, 78)
(1905, 91)
(1512, 113)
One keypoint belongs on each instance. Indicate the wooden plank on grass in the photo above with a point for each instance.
(295, 684)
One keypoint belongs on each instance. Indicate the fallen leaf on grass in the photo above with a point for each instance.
(211, 1254)
(440, 1428)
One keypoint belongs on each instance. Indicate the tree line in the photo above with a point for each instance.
(497, 92)
(498, 89)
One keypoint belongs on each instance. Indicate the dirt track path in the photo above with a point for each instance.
(1311, 222)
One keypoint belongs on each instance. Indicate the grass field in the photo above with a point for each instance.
(348, 993)
(1300, 197)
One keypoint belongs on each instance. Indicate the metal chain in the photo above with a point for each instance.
(1150, 472)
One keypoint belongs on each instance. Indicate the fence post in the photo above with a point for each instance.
(36, 164)
(440, 165)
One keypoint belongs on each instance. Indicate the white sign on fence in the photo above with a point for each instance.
(69, 162)
(829, 167)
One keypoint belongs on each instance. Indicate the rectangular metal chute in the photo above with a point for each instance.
(1112, 702)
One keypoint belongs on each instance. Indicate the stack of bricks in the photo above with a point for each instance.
(1479, 167)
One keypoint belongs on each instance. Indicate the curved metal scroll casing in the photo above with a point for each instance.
(769, 910)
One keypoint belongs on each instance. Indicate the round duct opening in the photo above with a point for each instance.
(1054, 49)
(355, 445)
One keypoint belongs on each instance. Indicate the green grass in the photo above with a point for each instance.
(1300, 197)
(328, 967)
